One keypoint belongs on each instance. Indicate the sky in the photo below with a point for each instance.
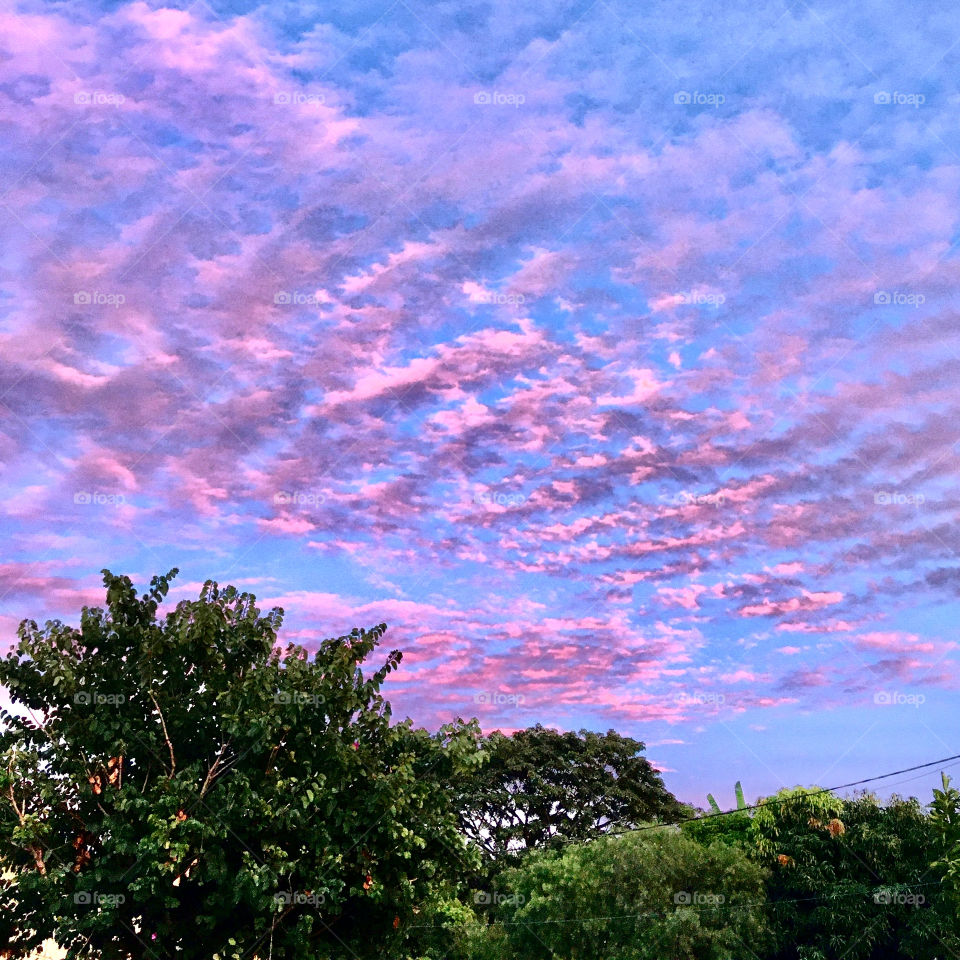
(606, 351)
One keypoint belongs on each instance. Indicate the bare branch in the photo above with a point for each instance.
(13, 799)
(212, 772)
(166, 736)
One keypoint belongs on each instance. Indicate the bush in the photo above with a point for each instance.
(641, 896)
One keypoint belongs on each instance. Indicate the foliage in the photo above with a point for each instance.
(738, 791)
(180, 784)
(540, 789)
(446, 928)
(732, 827)
(945, 820)
(640, 896)
(850, 878)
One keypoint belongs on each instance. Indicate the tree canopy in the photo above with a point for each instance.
(182, 784)
(852, 877)
(539, 789)
(641, 896)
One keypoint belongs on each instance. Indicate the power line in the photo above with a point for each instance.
(891, 887)
(773, 800)
(727, 813)
(947, 766)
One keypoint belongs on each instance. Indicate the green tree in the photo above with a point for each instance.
(945, 820)
(539, 789)
(640, 896)
(184, 785)
(850, 878)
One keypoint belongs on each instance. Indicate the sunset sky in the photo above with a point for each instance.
(606, 351)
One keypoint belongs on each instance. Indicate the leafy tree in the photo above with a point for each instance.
(539, 789)
(640, 896)
(182, 786)
(945, 820)
(850, 878)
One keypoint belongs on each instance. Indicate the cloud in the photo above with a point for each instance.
(577, 390)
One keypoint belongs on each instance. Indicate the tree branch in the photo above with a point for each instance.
(211, 772)
(166, 736)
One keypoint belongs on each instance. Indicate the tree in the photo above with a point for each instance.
(182, 784)
(851, 878)
(640, 896)
(539, 789)
(945, 819)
